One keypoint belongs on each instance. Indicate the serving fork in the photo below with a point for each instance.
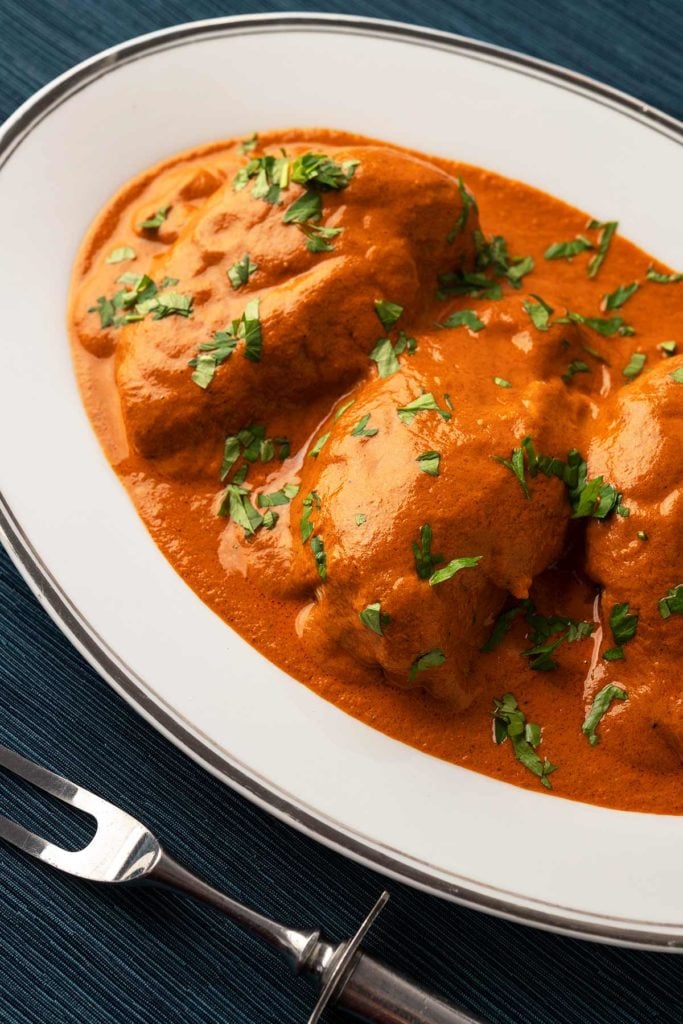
(124, 851)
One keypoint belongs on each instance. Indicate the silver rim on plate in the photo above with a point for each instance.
(504, 903)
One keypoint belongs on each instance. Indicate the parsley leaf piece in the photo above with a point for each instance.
(425, 561)
(464, 318)
(654, 275)
(154, 222)
(468, 203)
(521, 266)
(319, 171)
(374, 618)
(516, 466)
(246, 145)
(503, 625)
(107, 311)
(310, 504)
(248, 327)
(319, 445)
(599, 709)
(614, 654)
(607, 230)
(432, 659)
(501, 382)
(453, 567)
(429, 462)
(617, 298)
(343, 407)
(237, 506)
(634, 366)
(607, 327)
(308, 206)
(510, 722)
(594, 499)
(423, 403)
(546, 635)
(672, 604)
(475, 286)
(667, 348)
(387, 312)
(384, 355)
(281, 497)
(677, 375)
(270, 519)
(576, 366)
(211, 355)
(360, 518)
(318, 237)
(622, 624)
(360, 429)
(168, 303)
(240, 272)
(120, 255)
(318, 549)
(565, 250)
(231, 453)
(539, 311)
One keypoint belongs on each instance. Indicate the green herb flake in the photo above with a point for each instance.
(387, 313)
(429, 463)
(453, 567)
(607, 230)
(667, 348)
(634, 366)
(576, 366)
(374, 618)
(343, 407)
(318, 549)
(565, 250)
(468, 203)
(270, 519)
(503, 625)
(608, 327)
(424, 403)
(677, 375)
(360, 518)
(516, 466)
(240, 272)
(509, 722)
(672, 604)
(319, 445)
(361, 428)
(154, 222)
(246, 145)
(617, 298)
(599, 708)
(622, 624)
(464, 318)
(318, 237)
(307, 207)
(425, 561)
(501, 382)
(237, 505)
(384, 355)
(614, 654)
(311, 503)
(212, 354)
(121, 254)
(539, 311)
(658, 278)
(432, 659)
(281, 497)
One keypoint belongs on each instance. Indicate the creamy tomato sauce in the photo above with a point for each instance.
(414, 430)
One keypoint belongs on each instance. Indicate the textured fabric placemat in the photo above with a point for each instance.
(73, 953)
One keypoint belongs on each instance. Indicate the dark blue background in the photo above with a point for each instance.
(69, 953)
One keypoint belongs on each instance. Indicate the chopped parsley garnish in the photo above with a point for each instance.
(387, 313)
(677, 375)
(520, 266)
(240, 272)
(360, 518)
(607, 231)
(121, 254)
(565, 250)
(281, 497)
(319, 445)
(432, 659)
(667, 348)
(464, 318)
(342, 408)
(385, 353)
(468, 203)
(546, 635)
(254, 446)
(623, 626)
(475, 286)
(310, 504)
(654, 275)
(215, 352)
(271, 175)
(318, 237)
(237, 505)
(453, 567)
(516, 466)
(509, 722)
(607, 327)
(614, 654)
(424, 403)
(617, 298)
(672, 604)
(270, 519)
(361, 428)
(503, 625)
(318, 549)
(501, 382)
(429, 463)
(539, 311)
(308, 206)
(599, 708)
(246, 145)
(316, 169)
(634, 366)
(425, 561)
(374, 618)
(576, 366)
(154, 222)
(493, 254)
(139, 298)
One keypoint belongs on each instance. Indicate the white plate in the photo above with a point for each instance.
(73, 532)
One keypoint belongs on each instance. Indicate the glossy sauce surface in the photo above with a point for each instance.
(496, 379)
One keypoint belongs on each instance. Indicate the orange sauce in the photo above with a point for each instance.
(404, 220)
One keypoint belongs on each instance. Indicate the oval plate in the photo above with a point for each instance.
(582, 870)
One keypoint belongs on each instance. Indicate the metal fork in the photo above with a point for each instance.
(123, 850)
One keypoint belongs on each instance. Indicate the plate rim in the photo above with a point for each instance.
(74, 624)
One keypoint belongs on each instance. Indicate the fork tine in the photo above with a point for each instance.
(53, 784)
(19, 836)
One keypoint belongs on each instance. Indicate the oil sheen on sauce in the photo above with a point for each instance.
(469, 331)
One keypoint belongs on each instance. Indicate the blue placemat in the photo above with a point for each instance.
(70, 953)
